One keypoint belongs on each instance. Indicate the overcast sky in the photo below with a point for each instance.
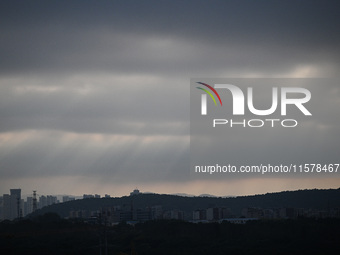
(87, 88)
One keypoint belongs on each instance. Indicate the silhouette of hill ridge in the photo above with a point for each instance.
(314, 199)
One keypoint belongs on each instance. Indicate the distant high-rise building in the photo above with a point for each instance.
(22, 208)
(156, 212)
(51, 200)
(213, 214)
(29, 205)
(6, 205)
(42, 201)
(1, 208)
(12, 205)
(16, 192)
(35, 206)
(66, 198)
(16, 210)
(199, 214)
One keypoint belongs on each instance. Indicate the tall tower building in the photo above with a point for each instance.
(34, 200)
(15, 203)
(6, 207)
(29, 205)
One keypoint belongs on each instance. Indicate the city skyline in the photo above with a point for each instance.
(141, 207)
(94, 98)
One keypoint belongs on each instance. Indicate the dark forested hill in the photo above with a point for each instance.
(48, 234)
(314, 199)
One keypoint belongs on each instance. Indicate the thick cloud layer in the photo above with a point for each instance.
(168, 37)
(101, 90)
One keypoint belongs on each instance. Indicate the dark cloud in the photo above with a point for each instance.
(124, 108)
(121, 158)
(102, 89)
(168, 36)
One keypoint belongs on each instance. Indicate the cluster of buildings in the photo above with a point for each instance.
(211, 214)
(290, 213)
(219, 214)
(13, 206)
(126, 213)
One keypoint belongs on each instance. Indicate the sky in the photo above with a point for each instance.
(95, 96)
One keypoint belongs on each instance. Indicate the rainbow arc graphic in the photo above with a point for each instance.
(204, 97)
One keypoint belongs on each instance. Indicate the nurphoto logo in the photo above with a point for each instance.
(238, 105)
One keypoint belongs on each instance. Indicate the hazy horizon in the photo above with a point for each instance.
(24, 194)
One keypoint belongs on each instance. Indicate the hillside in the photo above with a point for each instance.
(314, 199)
